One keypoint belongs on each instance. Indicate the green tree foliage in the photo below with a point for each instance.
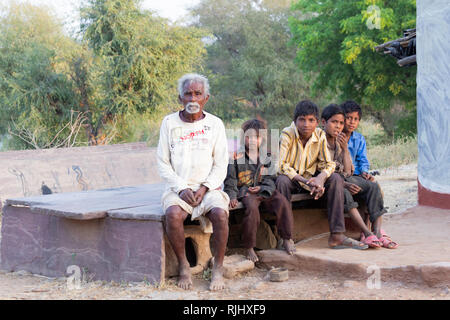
(59, 91)
(250, 65)
(336, 48)
(36, 97)
(139, 57)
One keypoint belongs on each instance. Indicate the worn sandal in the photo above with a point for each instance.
(387, 241)
(350, 243)
(372, 241)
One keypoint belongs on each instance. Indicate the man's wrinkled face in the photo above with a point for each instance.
(334, 125)
(306, 125)
(351, 121)
(194, 97)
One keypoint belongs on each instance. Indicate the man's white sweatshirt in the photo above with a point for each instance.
(192, 154)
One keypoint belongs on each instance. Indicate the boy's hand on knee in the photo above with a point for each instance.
(315, 182)
(353, 188)
(233, 203)
(368, 176)
(317, 192)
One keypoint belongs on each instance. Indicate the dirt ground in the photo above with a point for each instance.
(400, 192)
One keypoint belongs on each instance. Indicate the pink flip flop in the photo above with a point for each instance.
(371, 241)
(387, 241)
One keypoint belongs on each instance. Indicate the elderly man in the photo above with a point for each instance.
(193, 160)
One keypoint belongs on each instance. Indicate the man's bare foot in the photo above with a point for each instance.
(289, 246)
(184, 278)
(251, 255)
(217, 282)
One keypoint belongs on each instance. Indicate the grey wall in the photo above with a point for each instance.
(433, 94)
(76, 169)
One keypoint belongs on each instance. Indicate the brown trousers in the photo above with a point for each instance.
(333, 198)
(276, 204)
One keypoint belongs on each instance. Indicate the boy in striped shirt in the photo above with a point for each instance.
(305, 164)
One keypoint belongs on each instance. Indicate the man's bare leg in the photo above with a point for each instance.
(175, 217)
(219, 219)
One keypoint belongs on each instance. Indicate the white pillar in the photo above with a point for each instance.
(433, 94)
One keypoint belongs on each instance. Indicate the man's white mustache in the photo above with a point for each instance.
(192, 107)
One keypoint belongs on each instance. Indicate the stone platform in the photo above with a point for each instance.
(112, 234)
(117, 234)
(423, 255)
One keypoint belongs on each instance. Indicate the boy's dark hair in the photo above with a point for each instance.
(331, 110)
(306, 108)
(253, 124)
(351, 106)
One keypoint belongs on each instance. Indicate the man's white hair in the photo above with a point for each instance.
(192, 77)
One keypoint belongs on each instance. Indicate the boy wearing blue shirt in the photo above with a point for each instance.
(361, 178)
(356, 141)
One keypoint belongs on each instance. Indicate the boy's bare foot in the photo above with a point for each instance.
(335, 239)
(184, 278)
(217, 282)
(251, 255)
(289, 246)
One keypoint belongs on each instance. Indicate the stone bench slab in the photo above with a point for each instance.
(96, 204)
(152, 212)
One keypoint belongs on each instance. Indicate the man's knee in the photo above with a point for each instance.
(175, 215)
(218, 216)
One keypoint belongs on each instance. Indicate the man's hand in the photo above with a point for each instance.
(368, 176)
(233, 203)
(199, 194)
(254, 190)
(353, 188)
(187, 195)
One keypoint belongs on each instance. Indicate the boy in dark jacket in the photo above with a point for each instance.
(249, 181)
